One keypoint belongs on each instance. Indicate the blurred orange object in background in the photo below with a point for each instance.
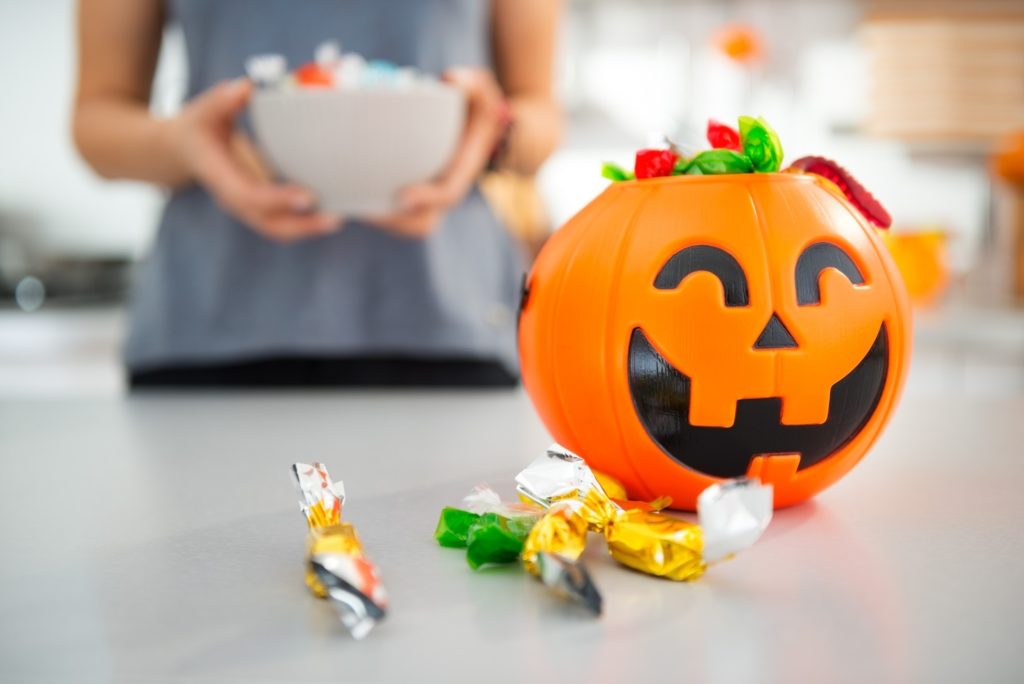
(739, 42)
(1008, 165)
(1008, 159)
(920, 256)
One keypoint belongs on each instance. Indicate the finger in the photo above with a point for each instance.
(276, 198)
(232, 187)
(290, 227)
(232, 169)
(240, 194)
(427, 195)
(417, 224)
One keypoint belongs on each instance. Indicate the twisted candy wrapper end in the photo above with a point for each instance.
(551, 553)
(336, 566)
(558, 474)
(733, 515)
(322, 499)
(358, 612)
(483, 499)
(570, 580)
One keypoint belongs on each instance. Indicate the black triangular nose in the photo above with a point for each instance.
(774, 336)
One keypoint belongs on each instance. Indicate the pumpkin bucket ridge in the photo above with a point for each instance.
(607, 344)
(551, 351)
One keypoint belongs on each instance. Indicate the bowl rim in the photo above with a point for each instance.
(302, 92)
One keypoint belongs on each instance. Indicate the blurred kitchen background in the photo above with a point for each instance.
(920, 99)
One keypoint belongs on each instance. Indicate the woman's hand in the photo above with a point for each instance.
(423, 206)
(226, 163)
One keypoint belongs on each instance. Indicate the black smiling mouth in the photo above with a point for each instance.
(661, 397)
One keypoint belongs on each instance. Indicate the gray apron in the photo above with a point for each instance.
(214, 291)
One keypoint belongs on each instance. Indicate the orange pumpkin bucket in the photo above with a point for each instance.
(686, 329)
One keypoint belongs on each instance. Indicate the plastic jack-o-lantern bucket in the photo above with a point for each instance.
(683, 330)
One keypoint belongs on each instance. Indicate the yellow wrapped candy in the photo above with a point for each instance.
(336, 565)
(657, 544)
(611, 486)
(340, 539)
(560, 531)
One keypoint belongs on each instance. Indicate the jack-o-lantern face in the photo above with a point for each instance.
(714, 430)
(688, 329)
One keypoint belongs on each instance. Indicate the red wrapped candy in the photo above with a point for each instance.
(655, 163)
(723, 136)
(313, 75)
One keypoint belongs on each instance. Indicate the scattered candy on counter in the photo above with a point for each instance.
(753, 147)
(547, 542)
(490, 530)
(732, 515)
(569, 501)
(336, 565)
(331, 68)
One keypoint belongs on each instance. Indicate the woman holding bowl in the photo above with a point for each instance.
(248, 283)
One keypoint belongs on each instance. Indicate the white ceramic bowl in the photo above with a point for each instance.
(357, 148)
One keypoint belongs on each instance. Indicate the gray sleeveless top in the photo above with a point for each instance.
(212, 290)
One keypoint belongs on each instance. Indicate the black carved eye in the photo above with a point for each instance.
(706, 258)
(813, 261)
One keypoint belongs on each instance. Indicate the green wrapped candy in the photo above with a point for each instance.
(493, 538)
(715, 162)
(453, 527)
(616, 173)
(760, 144)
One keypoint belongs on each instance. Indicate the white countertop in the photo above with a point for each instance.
(157, 539)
